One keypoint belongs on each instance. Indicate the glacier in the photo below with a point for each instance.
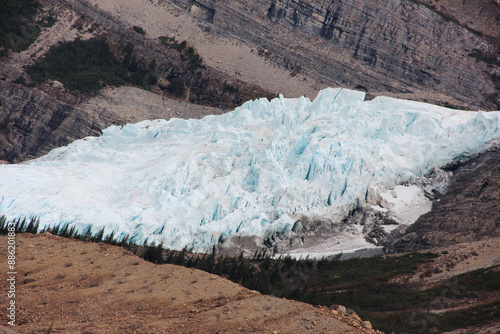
(253, 171)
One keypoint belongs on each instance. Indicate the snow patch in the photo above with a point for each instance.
(405, 203)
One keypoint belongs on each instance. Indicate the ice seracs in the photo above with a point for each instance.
(251, 172)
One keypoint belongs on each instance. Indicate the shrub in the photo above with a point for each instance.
(139, 30)
(496, 81)
(487, 57)
(20, 81)
(89, 65)
(172, 43)
(177, 87)
(230, 88)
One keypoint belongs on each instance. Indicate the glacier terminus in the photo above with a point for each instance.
(265, 169)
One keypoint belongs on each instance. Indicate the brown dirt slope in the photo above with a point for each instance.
(77, 287)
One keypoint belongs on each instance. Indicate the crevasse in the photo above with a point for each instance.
(251, 171)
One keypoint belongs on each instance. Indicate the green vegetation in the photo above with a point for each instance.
(172, 43)
(230, 88)
(90, 65)
(20, 81)
(365, 285)
(205, 87)
(139, 30)
(490, 58)
(496, 81)
(195, 61)
(177, 87)
(4, 126)
(48, 21)
(18, 28)
(467, 317)
(186, 53)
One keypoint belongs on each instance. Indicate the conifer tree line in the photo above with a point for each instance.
(364, 284)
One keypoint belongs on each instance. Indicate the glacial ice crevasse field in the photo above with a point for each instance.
(250, 172)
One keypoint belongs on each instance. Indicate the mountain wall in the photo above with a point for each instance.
(444, 54)
(36, 121)
(467, 212)
(401, 47)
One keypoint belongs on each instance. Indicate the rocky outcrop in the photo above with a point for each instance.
(36, 119)
(414, 50)
(32, 121)
(397, 47)
(465, 12)
(29, 118)
(468, 211)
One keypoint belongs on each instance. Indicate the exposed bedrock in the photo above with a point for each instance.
(395, 46)
(468, 211)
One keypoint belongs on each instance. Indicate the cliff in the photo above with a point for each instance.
(467, 212)
(36, 121)
(404, 48)
(444, 54)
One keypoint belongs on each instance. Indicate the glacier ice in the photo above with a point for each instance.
(248, 172)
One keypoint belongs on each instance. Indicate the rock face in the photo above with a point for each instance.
(35, 121)
(396, 46)
(29, 119)
(468, 211)
(402, 48)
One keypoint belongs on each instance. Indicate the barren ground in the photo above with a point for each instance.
(77, 287)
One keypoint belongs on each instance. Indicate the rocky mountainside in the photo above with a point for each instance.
(439, 51)
(406, 48)
(468, 211)
(445, 53)
(36, 121)
(37, 117)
